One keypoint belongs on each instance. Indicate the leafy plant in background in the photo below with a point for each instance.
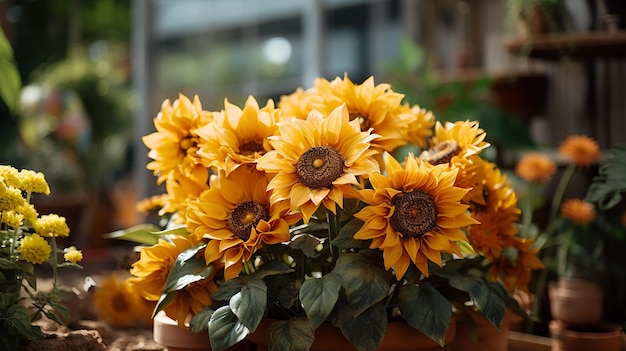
(28, 239)
(456, 99)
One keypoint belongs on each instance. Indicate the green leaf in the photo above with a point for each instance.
(143, 234)
(426, 309)
(345, 238)
(364, 280)
(187, 269)
(271, 268)
(200, 321)
(164, 300)
(295, 334)
(11, 83)
(318, 296)
(228, 289)
(225, 330)
(367, 330)
(489, 303)
(249, 304)
(178, 230)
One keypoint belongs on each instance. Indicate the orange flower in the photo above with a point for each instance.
(535, 167)
(581, 150)
(578, 211)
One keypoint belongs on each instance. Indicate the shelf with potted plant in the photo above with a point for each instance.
(578, 241)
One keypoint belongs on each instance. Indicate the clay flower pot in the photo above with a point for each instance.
(575, 301)
(399, 337)
(603, 336)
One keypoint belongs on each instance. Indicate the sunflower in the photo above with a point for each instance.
(580, 149)
(455, 142)
(317, 161)
(485, 237)
(373, 106)
(180, 191)
(116, 303)
(414, 214)
(297, 104)
(155, 262)
(535, 167)
(578, 211)
(420, 124)
(514, 268)
(237, 136)
(150, 274)
(236, 214)
(173, 146)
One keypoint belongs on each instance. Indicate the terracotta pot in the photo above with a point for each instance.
(603, 336)
(489, 337)
(399, 337)
(167, 333)
(575, 301)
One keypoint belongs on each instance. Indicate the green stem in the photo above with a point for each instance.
(558, 195)
(54, 260)
(333, 231)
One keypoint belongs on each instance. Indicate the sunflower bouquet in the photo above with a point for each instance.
(310, 213)
(28, 239)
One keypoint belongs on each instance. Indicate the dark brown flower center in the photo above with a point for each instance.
(319, 166)
(441, 153)
(246, 216)
(251, 147)
(363, 120)
(120, 302)
(415, 213)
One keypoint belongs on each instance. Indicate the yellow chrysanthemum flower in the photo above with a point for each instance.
(9, 176)
(578, 211)
(373, 106)
(237, 136)
(71, 254)
(12, 218)
(581, 150)
(116, 303)
(34, 249)
(236, 214)
(30, 213)
(535, 167)
(173, 147)
(414, 214)
(51, 225)
(33, 182)
(317, 161)
(11, 199)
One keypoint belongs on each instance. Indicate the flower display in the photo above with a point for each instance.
(308, 212)
(577, 226)
(28, 239)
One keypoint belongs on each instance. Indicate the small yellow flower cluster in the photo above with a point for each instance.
(52, 225)
(72, 254)
(34, 249)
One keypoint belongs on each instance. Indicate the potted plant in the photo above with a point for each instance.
(536, 17)
(287, 222)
